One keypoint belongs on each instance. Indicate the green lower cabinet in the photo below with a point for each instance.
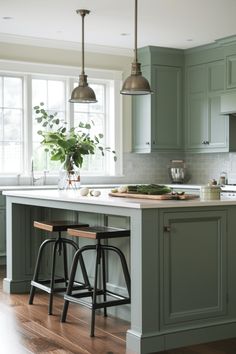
(193, 267)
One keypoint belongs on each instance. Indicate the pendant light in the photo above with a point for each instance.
(136, 84)
(83, 93)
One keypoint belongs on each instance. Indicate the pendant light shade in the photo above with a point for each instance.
(136, 84)
(83, 93)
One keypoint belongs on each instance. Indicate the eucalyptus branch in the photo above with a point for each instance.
(68, 145)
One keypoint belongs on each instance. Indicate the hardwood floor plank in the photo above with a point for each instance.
(28, 328)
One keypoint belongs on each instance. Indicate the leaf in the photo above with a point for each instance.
(36, 107)
(41, 104)
(39, 132)
(100, 136)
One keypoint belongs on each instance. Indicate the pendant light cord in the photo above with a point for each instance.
(135, 32)
(82, 15)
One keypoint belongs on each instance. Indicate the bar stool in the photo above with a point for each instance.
(59, 244)
(97, 233)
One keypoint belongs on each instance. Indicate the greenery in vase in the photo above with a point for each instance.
(67, 145)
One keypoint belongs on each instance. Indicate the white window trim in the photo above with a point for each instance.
(60, 71)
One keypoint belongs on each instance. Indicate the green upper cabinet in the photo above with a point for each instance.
(206, 129)
(157, 118)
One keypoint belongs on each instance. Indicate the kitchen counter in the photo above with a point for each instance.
(182, 260)
(105, 200)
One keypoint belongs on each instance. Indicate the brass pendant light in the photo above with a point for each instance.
(136, 84)
(83, 93)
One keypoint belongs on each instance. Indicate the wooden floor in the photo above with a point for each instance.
(28, 329)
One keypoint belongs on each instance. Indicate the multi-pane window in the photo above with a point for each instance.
(11, 124)
(52, 94)
(95, 114)
(19, 140)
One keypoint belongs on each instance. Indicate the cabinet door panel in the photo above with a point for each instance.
(197, 121)
(197, 79)
(194, 266)
(231, 71)
(168, 107)
(141, 123)
(216, 74)
(218, 124)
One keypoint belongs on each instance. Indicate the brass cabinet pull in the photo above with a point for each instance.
(167, 228)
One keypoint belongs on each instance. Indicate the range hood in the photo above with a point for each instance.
(228, 103)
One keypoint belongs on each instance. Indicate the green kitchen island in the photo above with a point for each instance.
(182, 261)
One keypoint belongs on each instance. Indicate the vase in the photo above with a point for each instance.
(69, 177)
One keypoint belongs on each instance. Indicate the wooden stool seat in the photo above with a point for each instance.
(59, 247)
(97, 233)
(56, 226)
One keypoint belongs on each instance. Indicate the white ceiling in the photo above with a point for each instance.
(168, 23)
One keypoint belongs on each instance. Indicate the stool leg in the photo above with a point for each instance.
(82, 265)
(37, 268)
(70, 284)
(124, 266)
(94, 299)
(65, 263)
(52, 278)
(104, 281)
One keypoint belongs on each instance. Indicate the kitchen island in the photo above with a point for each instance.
(182, 261)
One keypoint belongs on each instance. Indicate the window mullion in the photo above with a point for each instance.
(28, 126)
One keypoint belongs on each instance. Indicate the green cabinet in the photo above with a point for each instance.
(206, 129)
(157, 119)
(193, 267)
(231, 71)
(2, 230)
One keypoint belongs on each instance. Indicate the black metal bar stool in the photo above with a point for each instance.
(59, 244)
(97, 233)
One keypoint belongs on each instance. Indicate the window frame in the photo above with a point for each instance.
(28, 70)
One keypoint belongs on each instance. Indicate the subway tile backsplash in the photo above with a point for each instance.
(153, 168)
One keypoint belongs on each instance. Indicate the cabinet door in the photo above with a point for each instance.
(217, 123)
(193, 278)
(141, 120)
(167, 108)
(157, 118)
(207, 129)
(197, 127)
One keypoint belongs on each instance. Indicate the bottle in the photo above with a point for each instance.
(223, 178)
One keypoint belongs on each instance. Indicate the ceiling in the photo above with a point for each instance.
(168, 23)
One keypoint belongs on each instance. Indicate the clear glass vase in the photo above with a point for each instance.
(69, 176)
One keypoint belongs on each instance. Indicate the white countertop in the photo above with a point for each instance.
(106, 200)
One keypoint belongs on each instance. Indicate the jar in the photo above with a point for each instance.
(210, 192)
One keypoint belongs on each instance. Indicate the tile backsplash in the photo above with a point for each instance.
(153, 168)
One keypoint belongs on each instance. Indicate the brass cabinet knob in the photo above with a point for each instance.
(167, 228)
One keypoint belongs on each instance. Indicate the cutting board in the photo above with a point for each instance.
(155, 197)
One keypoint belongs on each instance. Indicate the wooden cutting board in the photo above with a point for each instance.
(155, 197)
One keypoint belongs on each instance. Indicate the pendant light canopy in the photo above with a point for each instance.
(136, 84)
(83, 93)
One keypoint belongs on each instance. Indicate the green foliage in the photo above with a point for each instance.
(67, 146)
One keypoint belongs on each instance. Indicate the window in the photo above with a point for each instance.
(11, 124)
(20, 92)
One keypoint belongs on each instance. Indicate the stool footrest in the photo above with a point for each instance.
(42, 286)
(77, 298)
